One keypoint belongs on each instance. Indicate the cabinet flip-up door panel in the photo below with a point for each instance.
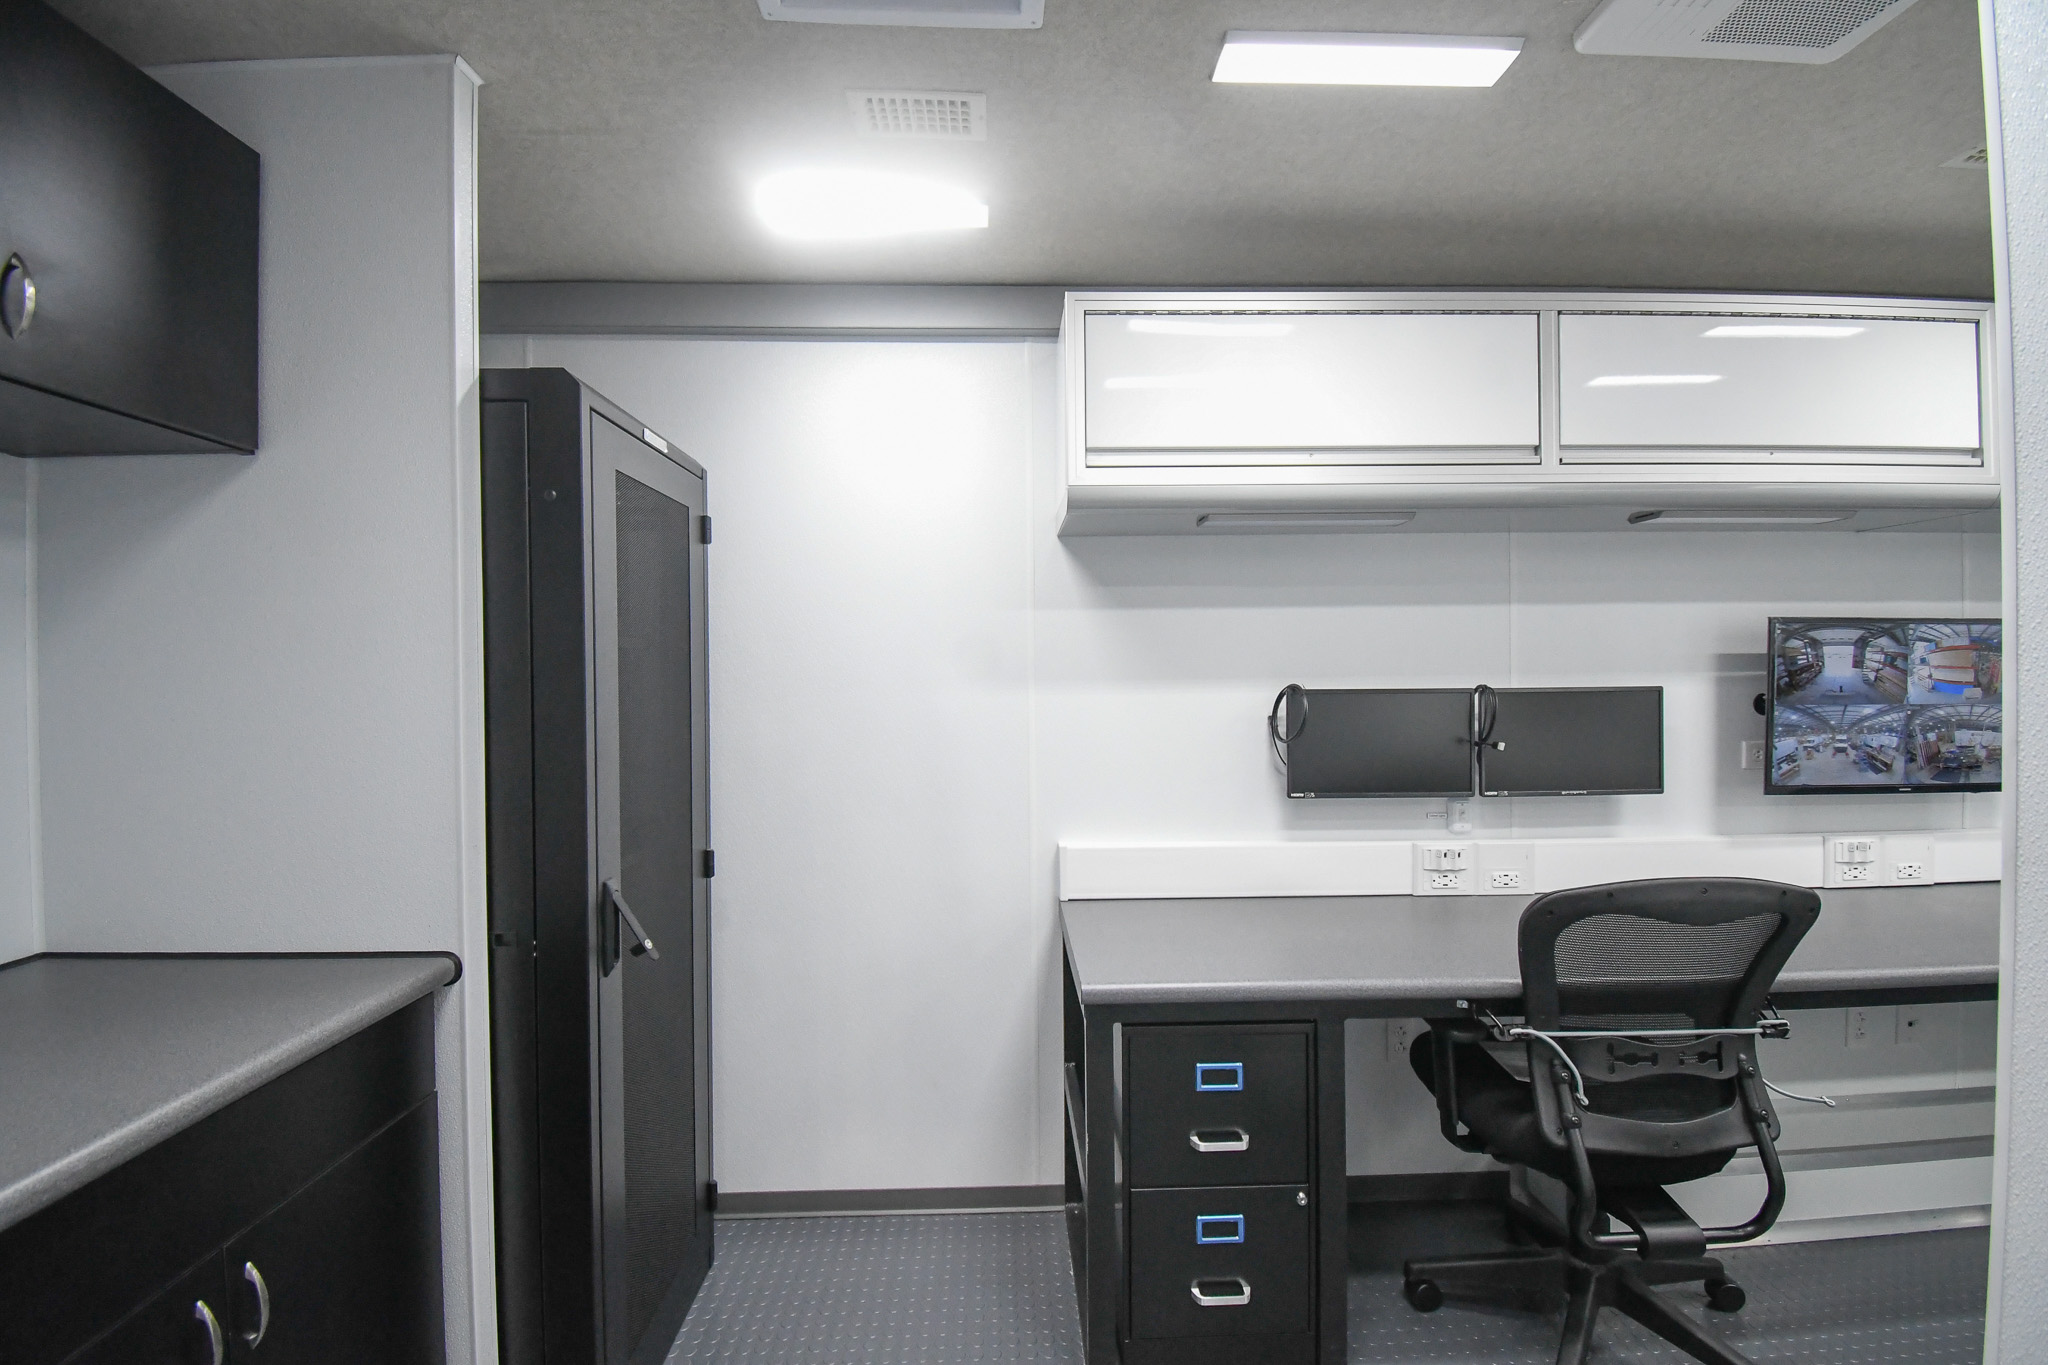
(1758, 389)
(1169, 389)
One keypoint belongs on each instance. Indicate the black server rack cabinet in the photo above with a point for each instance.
(594, 558)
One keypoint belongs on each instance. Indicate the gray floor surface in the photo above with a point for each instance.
(934, 1289)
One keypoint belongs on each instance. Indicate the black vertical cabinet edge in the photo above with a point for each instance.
(155, 347)
(542, 836)
(76, 1268)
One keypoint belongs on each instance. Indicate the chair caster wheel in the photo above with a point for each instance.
(1725, 1296)
(1423, 1295)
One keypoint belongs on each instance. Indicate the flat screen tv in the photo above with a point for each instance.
(1378, 742)
(1571, 741)
(1884, 704)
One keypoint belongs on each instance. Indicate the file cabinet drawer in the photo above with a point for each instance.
(1227, 1261)
(1217, 1105)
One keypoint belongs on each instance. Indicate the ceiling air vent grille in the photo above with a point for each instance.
(1810, 31)
(951, 115)
(1795, 23)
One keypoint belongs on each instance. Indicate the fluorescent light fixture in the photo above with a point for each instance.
(1362, 59)
(1301, 521)
(1632, 381)
(1210, 327)
(1155, 381)
(1740, 516)
(1814, 330)
(819, 205)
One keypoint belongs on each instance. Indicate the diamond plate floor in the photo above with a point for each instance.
(964, 1289)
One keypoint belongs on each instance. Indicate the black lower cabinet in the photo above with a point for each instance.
(301, 1225)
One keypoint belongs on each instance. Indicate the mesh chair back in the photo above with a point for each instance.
(1667, 953)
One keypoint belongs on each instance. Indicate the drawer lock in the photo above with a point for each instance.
(1230, 1293)
(1220, 1140)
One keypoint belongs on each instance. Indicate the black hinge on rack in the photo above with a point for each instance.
(704, 528)
(711, 1196)
(710, 864)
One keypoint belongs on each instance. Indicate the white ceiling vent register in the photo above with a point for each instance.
(951, 115)
(1810, 31)
(911, 13)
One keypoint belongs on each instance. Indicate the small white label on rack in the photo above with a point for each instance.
(654, 440)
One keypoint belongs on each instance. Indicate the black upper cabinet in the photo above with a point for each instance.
(133, 217)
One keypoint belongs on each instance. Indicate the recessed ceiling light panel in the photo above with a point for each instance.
(824, 205)
(1783, 331)
(1636, 381)
(911, 13)
(945, 115)
(1363, 59)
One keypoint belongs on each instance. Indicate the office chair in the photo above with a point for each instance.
(1635, 1068)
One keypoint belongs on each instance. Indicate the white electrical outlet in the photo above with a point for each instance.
(1504, 879)
(1444, 869)
(1851, 860)
(1401, 1035)
(1505, 867)
(1752, 754)
(1909, 858)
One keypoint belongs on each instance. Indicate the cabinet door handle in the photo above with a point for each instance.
(213, 1336)
(1220, 1140)
(1234, 1292)
(639, 943)
(17, 296)
(255, 1279)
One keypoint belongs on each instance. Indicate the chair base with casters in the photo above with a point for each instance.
(1553, 1276)
(1635, 1069)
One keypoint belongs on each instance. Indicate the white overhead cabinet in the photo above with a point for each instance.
(1169, 389)
(1217, 413)
(1752, 389)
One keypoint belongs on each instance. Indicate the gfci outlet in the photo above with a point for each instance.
(1851, 860)
(1444, 869)
(1507, 868)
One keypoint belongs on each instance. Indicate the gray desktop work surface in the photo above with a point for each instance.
(1399, 948)
(103, 1057)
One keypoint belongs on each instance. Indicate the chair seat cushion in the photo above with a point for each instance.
(1501, 1112)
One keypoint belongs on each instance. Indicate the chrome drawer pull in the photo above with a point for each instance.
(255, 1279)
(1220, 1140)
(213, 1336)
(1230, 1293)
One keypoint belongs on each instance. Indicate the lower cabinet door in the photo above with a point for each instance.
(187, 1324)
(1231, 1260)
(348, 1270)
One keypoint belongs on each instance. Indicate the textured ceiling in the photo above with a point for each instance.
(619, 138)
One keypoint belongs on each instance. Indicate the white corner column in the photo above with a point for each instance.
(2016, 97)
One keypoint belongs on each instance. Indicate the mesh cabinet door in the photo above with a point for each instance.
(647, 563)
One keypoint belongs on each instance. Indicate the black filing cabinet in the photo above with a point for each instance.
(128, 247)
(1221, 1211)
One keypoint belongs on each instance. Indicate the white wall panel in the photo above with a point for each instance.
(261, 696)
(21, 931)
(879, 955)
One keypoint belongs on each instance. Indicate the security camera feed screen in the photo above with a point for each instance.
(1386, 742)
(1885, 705)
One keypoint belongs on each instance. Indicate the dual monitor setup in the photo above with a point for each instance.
(1472, 741)
(1856, 704)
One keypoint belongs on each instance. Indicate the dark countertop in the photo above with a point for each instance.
(104, 1057)
(1391, 948)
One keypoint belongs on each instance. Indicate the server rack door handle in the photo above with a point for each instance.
(638, 942)
(1220, 1140)
(1234, 1292)
(255, 1279)
(216, 1344)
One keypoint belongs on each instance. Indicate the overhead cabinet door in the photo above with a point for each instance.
(1167, 389)
(1691, 388)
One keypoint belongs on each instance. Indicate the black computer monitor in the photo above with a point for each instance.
(1571, 741)
(1379, 742)
(1884, 704)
